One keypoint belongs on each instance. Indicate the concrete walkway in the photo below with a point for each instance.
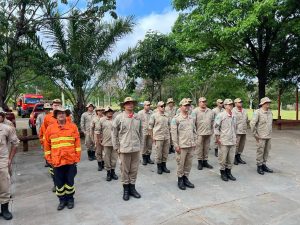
(252, 199)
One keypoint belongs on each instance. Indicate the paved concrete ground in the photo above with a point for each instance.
(252, 199)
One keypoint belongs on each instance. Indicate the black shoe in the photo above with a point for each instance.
(216, 152)
(266, 169)
(89, 155)
(54, 189)
(149, 161)
(100, 166)
(133, 192)
(200, 165)
(236, 162)
(164, 167)
(260, 170)
(181, 183)
(108, 176)
(223, 175)
(229, 175)
(125, 192)
(61, 205)
(113, 175)
(207, 165)
(187, 183)
(145, 161)
(159, 168)
(70, 204)
(6, 214)
(239, 159)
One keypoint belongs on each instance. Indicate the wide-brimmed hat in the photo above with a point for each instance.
(228, 101)
(108, 109)
(202, 99)
(190, 100)
(47, 106)
(128, 99)
(184, 102)
(219, 101)
(237, 100)
(60, 109)
(57, 101)
(265, 100)
(90, 104)
(99, 108)
(170, 100)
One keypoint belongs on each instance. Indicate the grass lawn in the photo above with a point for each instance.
(285, 114)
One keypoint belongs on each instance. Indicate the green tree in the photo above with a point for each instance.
(248, 38)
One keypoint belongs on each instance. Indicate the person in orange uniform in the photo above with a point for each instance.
(63, 150)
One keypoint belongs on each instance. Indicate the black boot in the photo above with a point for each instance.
(108, 176)
(266, 169)
(187, 183)
(236, 162)
(70, 204)
(93, 155)
(99, 166)
(223, 175)
(229, 175)
(5, 212)
(181, 184)
(239, 159)
(216, 152)
(125, 192)
(113, 175)
(149, 161)
(133, 192)
(200, 165)
(102, 164)
(260, 170)
(159, 168)
(164, 167)
(144, 160)
(89, 155)
(207, 165)
(61, 205)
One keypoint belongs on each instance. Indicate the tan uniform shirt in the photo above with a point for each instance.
(261, 124)
(95, 125)
(204, 121)
(127, 134)
(241, 120)
(7, 136)
(217, 111)
(160, 124)
(145, 117)
(86, 121)
(170, 112)
(225, 127)
(39, 121)
(183, 131)
(106, 131)
(8, 122)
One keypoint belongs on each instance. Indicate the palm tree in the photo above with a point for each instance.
(81, 50)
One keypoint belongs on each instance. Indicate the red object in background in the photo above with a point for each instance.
(37, 109)
(26, 103)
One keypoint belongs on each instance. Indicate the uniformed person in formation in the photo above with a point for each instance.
(183, 134)
(261, 127)
(85, 126)
(147, 147)
(204, 120)
(241, 121)
(171, 112)
(191, 107)
(218, 109)
(159, 127)
(110, 155)
(8, 149)
(225, 131)
(127, 139)
(96, 135)
(40, 118)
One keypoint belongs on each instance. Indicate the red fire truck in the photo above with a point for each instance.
(26, 102)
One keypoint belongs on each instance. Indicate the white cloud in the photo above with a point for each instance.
(157, 22)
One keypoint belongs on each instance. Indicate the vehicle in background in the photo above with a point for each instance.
(26, 103)
(10, 115)
(37, 109)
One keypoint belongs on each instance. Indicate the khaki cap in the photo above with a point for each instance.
(57, 100)
(99, 108)
(202, 99)
(190, 100)
(228, 101)
(265, 100)
(59, 109)
(184, 102)
(237, 100)
(108, 109)
(219, 101)
(161, 103)
(47, 106)
(170, 100)
(147, 103)
(90, 104)
(128, 99)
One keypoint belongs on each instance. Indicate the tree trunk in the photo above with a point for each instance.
(3, 94)
(79, 108)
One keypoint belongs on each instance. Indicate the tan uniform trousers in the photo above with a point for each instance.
(88, 141)
(240, 143)
(99, 150)
(4, 185)
(162, 150)
(147, 147)
(129, 167)
(184, 161)
(110, 157)
(263, 149)
(202, 146)
(226, 156)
